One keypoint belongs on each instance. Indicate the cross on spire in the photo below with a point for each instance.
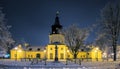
(56, 26)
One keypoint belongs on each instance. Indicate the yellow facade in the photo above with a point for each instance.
(62, 52)
(96, 54)
(56, 38)
(18, 53)
(48, 52)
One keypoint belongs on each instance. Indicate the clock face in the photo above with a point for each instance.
(53, 31)
(56, 28)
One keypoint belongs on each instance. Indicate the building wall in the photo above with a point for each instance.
(82, 55)
(35, 54)
(49, 53)
(17, 54)
(62, 52)
(56, 38)
(96, 54)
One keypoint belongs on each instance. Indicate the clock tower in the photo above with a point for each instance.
(56, 35)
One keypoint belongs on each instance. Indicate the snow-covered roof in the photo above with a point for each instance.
(35, 48)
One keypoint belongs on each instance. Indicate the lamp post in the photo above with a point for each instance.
(45, 56)
(96, 52)
(25, 49)
(16, 53)
(67, 57)
(56, 53)
(87, 55)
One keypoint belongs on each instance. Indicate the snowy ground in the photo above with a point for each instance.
(102, 65)
(8, 64)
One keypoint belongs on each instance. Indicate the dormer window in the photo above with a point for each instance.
(82, 49)
(30, 49)
(38, 49)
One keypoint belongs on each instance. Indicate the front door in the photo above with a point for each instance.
(38, 56)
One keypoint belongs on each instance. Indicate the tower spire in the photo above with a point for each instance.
(57, 22)
(56, 26)
(57, 13)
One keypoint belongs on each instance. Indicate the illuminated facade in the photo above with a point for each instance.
(55, 48)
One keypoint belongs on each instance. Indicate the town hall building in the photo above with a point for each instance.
(55, 50)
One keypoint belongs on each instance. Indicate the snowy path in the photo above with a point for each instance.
(102, 65)
(8, 64)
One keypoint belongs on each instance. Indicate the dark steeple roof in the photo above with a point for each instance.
(57, 19)
(56, 27)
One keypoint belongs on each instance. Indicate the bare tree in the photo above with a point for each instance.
(102, 41)
(75, 37)
(110, 23)
(6, 40)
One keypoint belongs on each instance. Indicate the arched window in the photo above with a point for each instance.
(38, 56)
(28, 56)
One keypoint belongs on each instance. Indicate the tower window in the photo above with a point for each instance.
(53, 32)
(50, 48)
(56, 28)
(61, 48)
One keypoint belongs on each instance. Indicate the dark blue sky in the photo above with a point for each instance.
(31, 20)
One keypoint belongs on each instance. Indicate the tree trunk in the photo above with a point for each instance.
(114, 49)
(75, 56)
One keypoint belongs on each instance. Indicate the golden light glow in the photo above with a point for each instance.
(67, 50)
(44, 51)
(97, 48)
(16, 48)
(19, 50)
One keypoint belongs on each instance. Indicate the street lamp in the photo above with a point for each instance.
(56, 53)
(26, 44)
(67, 56)
(16, 53)
(45, 56)
(105, 56)
(96, 52)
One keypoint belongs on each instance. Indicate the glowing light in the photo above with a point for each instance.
(16, 48)
(7, 55)
(19, 50)
(44, 51)
(67, 50)
(104, 54)
(112, 53)
(97, 48)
